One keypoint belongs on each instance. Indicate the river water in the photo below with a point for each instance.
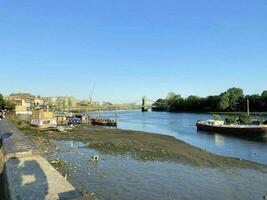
(118, 177)
(182, 126)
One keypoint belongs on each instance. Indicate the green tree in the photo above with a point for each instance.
(171, 95)
(9, 106)
(224, 102)
(217, 117)
(5, 104)
(160, 105)
(175, 103)
(245, 119)
(230, 100)
(235, 94)
(2, 102)
(193, 103)
(264, 94)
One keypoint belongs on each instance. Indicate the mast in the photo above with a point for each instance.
(248, 107)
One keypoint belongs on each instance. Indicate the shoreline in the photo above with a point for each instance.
(140, 145)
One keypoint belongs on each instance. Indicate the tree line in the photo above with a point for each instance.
(229, 101)
(5, 105)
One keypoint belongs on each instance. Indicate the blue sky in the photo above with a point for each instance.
(132, 48)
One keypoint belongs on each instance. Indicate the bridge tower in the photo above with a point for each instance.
(144, 104)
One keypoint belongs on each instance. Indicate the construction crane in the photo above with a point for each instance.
(91, 93)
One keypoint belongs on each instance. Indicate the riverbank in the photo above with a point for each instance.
(140, 145)
(239, 113)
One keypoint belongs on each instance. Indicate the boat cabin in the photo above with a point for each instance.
(215, 122)
(74, 121)
(43, 119)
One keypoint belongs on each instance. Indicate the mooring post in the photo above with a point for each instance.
(116, 116)
(99, 114)
(144, 104)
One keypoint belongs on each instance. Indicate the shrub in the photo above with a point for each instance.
(231, 119)
(245, 119)
(217, 117)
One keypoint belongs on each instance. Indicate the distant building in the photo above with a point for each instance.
(22, 110)
(38, 102)
(61, 118)
(21, 99)
(107, 104)
(61, 102)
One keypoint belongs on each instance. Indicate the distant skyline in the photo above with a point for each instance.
(129, 49)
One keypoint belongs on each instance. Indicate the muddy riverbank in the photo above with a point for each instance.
(140, 145)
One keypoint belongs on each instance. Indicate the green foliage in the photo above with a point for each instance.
(224, 102)
(264, 94)
(9, 106)
(235, 94)
(217, 117)
(231, 119)
(2, 102)
(160, 105)
(23, 126)
(175, 103)
(231, 100)
(5, 104)
(245, 119)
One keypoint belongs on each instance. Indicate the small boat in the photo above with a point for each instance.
(74, 121)
(103, 122)
(220, 127)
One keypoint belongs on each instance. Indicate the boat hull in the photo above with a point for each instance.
(246, 131)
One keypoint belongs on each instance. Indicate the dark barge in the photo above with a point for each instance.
(220, 127)
(103, 122)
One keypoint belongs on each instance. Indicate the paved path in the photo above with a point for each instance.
(27, 175)
(14, 141)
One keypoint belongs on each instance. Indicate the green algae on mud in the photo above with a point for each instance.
(142, 145)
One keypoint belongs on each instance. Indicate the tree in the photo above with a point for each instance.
(264, 100)
(9, 106)
(193, 103)
(2, 102)
(211, 103)
(224, 101)
(5, 104)
(171, 95)
(264, 94)
(235, 94)
(160, 105)
(231, 100)
(175, 103)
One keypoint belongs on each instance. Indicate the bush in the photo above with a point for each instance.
(217, 117)
(231, 120)
(245, 119)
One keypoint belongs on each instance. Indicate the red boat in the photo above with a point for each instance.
(103, 122)
(220, 127)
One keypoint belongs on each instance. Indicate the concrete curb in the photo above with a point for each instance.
(27, 175)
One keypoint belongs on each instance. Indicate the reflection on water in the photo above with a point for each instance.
(219, 140)
(182, 126)
(121, 177)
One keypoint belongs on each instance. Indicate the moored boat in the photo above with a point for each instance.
(220, 127)
(103, 122)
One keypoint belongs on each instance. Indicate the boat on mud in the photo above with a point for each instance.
(103, 122)
(219, 126)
